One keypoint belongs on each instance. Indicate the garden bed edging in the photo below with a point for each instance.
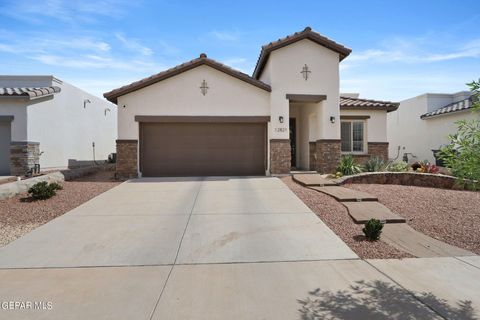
(408, 179)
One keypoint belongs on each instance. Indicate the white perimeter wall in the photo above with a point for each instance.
(181, 96)
(417, 136)
(66, 130)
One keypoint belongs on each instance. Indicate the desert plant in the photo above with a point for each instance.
(397, 166)
(56, 186)
(347, 166)
(43, 190)
(373, 229)
(374, 164)
(461, 154)
(424, 167)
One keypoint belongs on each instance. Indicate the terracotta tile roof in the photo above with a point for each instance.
(30, 93)
(357, 103)
(452, 107)
(202, 60)
(307, 33)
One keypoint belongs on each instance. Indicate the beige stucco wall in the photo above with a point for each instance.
(376, 125)
(181, 96)
(414, 135)
(283, 72)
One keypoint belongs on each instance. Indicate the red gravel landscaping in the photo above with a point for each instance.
(447, 215)
(20, 215)
(336, 217)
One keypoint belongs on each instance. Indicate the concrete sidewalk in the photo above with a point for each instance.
(217, 248)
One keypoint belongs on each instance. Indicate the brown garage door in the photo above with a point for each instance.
(202, 149)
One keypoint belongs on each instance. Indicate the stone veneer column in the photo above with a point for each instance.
(312, 145)
(24, 155)
(328, 155)
(280, 161)
(127, 155)
(378, 149)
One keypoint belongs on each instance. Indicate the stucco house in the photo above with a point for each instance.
(48, 122)
(422, 124)
(205, 118)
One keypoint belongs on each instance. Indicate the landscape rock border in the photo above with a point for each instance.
(9, 190)
(409, 179)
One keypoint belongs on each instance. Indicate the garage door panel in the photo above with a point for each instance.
(195, 149)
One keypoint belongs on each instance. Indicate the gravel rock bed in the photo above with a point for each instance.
(19, 215)
(447, 215)
(336, 217)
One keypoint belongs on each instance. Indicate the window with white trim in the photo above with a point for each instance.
(352, 136)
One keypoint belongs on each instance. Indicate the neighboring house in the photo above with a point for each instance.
(423, 123)
(49, 122)
(204, 118)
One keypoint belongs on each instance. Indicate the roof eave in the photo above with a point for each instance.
(388, 108)
(114, 94)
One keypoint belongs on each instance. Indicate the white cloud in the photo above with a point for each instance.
(134, 45)
(225, 35)
(413, 51)
(96, 62)
(35, 11)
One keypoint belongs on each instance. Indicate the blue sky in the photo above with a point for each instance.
(400, 48)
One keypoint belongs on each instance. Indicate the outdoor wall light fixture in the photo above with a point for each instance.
(280, 119)
(85, 103)
(332, 119)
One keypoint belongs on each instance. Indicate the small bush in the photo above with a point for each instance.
(373, 229)
(401, 166)
(374, 164)
(43, 190)
(56, 186)
(347, 166)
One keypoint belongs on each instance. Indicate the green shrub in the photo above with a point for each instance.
(56, 186)
(373, 229)
(347, 166)
(461, 153)
(43, 190)
(401, 166)
(374, 164)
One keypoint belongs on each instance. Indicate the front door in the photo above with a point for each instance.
(293, 142)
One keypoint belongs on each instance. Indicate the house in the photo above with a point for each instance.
(48, 122)
(422, 124)
(205, 118)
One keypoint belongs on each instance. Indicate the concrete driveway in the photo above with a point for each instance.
(210, 248)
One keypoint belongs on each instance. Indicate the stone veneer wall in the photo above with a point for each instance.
(280, 161)
(24, 155)
(127, 155)
(328, 155)
(378, 149)
(312, 155)
(408, 179)
(375, 149)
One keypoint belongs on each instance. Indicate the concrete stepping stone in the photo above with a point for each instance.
(312, 180)
(405, 238)
(344, 194)
(361, 212)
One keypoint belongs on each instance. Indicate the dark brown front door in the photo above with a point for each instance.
(202, 149)
(293, 142)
